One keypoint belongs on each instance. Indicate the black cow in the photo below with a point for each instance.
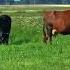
(5, 27)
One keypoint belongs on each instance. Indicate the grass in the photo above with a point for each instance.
(26, 51)
(34, 56)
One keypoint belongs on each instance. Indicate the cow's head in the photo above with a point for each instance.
(49, 18)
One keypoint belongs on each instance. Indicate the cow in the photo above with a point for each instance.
(55, 22)
(5, 27)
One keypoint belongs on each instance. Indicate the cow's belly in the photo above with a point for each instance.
(66, 31)
(61, 29)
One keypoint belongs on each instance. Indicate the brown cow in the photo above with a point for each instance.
(56, 22)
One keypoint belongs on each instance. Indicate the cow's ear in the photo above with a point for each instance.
(54, 14)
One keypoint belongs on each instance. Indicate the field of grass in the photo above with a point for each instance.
(26, 51)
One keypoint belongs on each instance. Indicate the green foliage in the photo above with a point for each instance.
(26, 29)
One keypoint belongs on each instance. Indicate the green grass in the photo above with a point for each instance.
(34, 56)
(26, 50)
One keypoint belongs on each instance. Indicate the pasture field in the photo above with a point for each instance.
(26, 51)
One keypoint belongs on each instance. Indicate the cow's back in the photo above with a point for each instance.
(59, 19)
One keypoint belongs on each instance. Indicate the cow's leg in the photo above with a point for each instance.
(45, 38)
(0, 35)
(5, 34)
(49, 32)
(5, 38)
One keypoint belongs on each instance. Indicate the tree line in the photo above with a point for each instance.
(35, 2)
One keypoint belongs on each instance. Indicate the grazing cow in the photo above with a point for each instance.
(56, 22)
(5, 26)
